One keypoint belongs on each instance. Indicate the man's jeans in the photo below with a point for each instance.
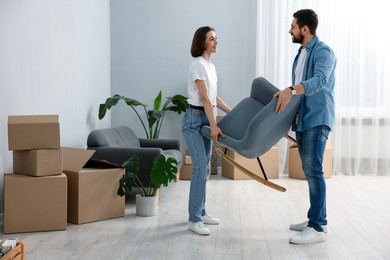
(200, 150)
(311, 147)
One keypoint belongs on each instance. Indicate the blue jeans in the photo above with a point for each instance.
(311, 147)
(200, 150)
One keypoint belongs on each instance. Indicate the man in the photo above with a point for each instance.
(313, 77)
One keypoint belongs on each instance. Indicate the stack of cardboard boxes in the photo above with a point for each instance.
(49, 186)
(35, 196)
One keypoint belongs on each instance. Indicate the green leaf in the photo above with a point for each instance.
(157, 101)
(110, 102)
(154, 116)
(133, 102)
(179, 104)
(132, 164)
(102, 111)
(163, 170)
(130, 178)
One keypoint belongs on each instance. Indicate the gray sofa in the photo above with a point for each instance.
(116, 145)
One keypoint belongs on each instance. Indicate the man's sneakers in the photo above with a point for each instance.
(307, 236)
(303, 225)
(208, 220)
(199, 228)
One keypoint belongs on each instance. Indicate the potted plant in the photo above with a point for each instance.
(163, 171)
(155, 117)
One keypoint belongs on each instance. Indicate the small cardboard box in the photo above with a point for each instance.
(38, 162)
(269, 160)
(92, 191)
(186, 168)
(295, 166)
(33, 132)
(186, 172)
(34, 203)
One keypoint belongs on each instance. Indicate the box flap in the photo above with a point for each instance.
(74, 158)
(96, 163)
(28, 119)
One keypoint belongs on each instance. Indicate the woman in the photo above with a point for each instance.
(202, 100)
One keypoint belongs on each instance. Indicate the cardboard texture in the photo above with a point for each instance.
(186, 172)
(295, 166)
(186, 168)
(33, 132)
(269, 160)
(92, 191)
(34, 203)
(38, 162)
(74, 159)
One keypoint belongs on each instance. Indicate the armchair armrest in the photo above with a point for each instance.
(165, 144)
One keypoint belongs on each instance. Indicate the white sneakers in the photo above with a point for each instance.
(303, 225)
(200, 228)
(307, 236)
(209, 220)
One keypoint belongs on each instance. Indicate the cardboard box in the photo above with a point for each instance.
(187, 159)
(186, 168)
(186, 172)
(38, 162)
(295, 166)
(34, 203)
(269, 160)
(33, 132)
(92, 190)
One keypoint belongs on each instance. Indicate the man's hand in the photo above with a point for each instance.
(284, 97)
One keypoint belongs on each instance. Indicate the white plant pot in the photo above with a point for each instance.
(146, 206)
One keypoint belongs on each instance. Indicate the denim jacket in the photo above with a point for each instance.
(317, 104)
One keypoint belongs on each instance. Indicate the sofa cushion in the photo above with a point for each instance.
(128, 136)
(113, 137)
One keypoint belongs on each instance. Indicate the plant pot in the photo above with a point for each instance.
(146, 206)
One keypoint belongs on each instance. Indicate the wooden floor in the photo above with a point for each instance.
(254, 225)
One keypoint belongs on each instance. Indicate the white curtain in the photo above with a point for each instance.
(357, 31)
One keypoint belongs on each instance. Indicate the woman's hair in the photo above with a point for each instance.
(198, 42)
(307, 17)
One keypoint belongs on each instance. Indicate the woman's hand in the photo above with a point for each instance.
(215, 132)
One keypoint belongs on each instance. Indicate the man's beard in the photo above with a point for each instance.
(297, 39)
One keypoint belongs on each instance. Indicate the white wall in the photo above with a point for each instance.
(150, 50)
(54, 59)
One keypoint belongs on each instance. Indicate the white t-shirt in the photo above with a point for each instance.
(300, 65)
(202, 69)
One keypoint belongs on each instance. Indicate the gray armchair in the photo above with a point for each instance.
(252, 127)
(117, 145)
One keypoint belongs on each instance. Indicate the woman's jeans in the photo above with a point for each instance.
(311, 147)
(200, 150)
